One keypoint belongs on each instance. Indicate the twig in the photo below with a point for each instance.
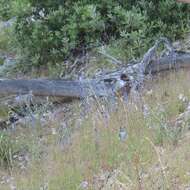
(113, 59)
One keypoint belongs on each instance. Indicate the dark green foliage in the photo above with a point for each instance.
(52, 30)
(166, 17)
(5, 9)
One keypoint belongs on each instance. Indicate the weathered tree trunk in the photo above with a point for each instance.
(43, 87)
(105, 84)
(181, 60)
(184, 1)
(80, 89)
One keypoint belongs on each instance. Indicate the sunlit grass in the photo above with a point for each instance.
(4, 39)
(155, 154)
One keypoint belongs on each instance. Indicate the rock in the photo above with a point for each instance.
(122, 134)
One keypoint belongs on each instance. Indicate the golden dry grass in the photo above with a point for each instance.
(152, 157)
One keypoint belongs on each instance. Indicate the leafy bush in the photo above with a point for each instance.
(11, 8)
(5, 9)
(51, 31)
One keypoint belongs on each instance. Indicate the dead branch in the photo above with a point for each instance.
(102, 85)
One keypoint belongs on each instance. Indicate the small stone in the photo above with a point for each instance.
(122, 134)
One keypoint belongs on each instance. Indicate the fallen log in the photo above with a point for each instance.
(44, 87)
(184, 1)
(182, 60)
(80, 89)
(103, 85)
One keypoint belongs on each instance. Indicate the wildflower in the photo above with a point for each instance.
(146, 111)
(54, 132)
(182, 98)
(84, 185)
(149, 93)
(41, 13)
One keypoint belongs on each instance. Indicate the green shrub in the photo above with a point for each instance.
(11, 8)
(5, 9)
(52, 38)
(51, 31)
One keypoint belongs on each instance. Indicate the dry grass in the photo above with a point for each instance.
(154, 155)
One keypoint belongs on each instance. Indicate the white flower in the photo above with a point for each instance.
(182, 98)
(84, 185)
(53, 131)
(188, 107)
(150, 92)
(146, 110)
(42, 14)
